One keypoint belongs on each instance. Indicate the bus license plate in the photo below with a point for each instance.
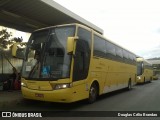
(39, 95)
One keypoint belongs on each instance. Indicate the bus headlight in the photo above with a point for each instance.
(62, 86)
(23, 84)
(139, 77)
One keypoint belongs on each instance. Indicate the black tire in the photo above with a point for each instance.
(150, 80)
(144, 81)
(93, 93)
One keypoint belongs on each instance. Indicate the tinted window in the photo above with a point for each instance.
(85, 35)
(125, 54)
(99, 46)
(139, 68)
(110, 48)
(130, 56)
(134, 58)
(119, 52)
(82, 55)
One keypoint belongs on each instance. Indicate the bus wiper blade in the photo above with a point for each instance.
(34, 68)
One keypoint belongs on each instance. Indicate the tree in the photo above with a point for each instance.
(15, 39)
(6, 41)
(4, 38)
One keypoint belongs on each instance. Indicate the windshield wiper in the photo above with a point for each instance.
(36, 66)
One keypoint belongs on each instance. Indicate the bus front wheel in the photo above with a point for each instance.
(93, 93)
(144, 81)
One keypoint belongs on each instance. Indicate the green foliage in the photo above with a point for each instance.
(5, 39)
(17, 39)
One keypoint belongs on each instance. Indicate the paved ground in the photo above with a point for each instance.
(9, 98)
(141, 98)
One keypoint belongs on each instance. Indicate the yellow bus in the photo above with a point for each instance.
(144, 70)
(71, 62)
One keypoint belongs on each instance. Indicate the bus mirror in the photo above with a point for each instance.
(70, 44)
(18, 50)
(14, 49)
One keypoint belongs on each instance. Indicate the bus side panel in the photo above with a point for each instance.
(98, 73)
(80, 90)
(118, 75)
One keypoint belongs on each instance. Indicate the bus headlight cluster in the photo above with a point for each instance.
(62, 86)
(23, 84)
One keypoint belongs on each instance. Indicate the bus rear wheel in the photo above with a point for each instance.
(150, 80)
(93, 93)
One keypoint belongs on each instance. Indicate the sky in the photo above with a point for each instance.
(133, 24)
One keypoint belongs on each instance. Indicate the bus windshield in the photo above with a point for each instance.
(139, 68)
(46, 55)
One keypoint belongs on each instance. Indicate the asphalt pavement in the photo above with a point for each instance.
(144, 97)
(140, 98)
(10, 98)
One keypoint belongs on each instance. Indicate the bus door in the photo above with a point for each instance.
(81, 63)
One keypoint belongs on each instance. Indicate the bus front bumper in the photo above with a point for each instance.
(61, 95)
(140, 81)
